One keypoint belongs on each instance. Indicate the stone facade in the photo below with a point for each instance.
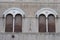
(30, 21)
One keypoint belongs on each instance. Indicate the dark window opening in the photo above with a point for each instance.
(18, 23)
(51, 23)
(42, 23)
(9, 23)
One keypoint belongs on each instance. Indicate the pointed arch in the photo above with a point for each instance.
(9, 23)
(17, 13)
(14, 11)
(46, 12)
(51, 23)
(42, 23)
(18, 23)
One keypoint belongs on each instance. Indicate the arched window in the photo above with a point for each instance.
(18, 23)
(9, 23)
(42, 23)
(51, 23)
(13, 22)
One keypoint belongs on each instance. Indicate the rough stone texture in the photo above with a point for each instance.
(29, 36)
(41, 1)
(30, 22)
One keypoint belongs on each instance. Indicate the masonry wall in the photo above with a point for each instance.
(30, 8)
(29, 36)
(41, 1)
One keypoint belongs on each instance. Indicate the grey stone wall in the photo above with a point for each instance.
(30, 9)
(29, 36)
(30, 20)
(41, 1)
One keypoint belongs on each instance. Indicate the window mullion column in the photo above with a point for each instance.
(13, 23)
(46, 24)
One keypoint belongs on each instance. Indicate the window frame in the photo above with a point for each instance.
(39, 22)
(54, 23)
(46, 12)
(13, 11)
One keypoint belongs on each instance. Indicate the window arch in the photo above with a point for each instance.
(50, 16)
(9, 23)
(14, 15)
(42, 23)
(51, 23)
(46, 12)
(18, 23)
(14, 11)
